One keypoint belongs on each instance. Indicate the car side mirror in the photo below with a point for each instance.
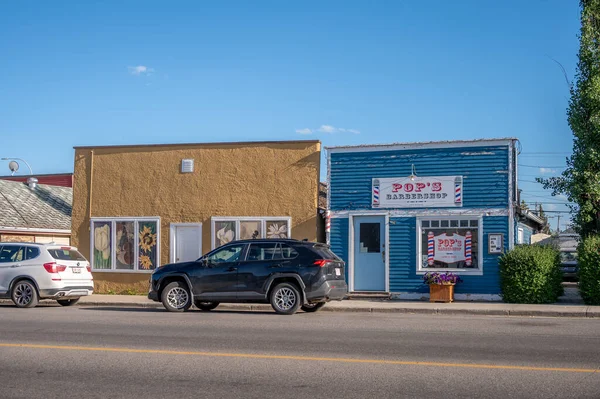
(205, 262)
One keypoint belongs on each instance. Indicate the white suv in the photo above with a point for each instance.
(30, 272)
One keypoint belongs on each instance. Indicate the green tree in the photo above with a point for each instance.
(580, 181)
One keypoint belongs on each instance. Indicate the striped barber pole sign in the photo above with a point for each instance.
(458, 190)
(430, 245)
(468, 256)
(375, 195)
(328, 221)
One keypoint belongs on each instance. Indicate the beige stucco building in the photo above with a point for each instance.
(136, 207)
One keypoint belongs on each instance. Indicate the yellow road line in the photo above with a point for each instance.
(302, 358)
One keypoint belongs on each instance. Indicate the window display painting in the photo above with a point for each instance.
(102, 238)
(277, 229)
(147, 245)
(224, 233)
(250, 229)
(125, 245)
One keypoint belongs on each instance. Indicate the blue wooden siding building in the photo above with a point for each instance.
(400, 210)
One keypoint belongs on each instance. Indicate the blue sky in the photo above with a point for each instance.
(103, 73)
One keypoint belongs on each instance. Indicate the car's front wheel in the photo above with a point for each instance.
(206, 306)
(313, 307)
(67, 302)
(176, 297)
(285, 298)
(24, 294)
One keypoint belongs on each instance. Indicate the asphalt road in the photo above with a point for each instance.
(55, 352)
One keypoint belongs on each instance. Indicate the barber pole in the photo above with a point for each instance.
(458, 190)
(430, 243)
(468, 257)
(328, 221)
(375, 196)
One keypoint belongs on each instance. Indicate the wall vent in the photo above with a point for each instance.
(187, 165)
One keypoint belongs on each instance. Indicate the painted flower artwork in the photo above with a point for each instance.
(147, 245)
(102, 245)
(125, 246)
(277, 230)
(225, 235)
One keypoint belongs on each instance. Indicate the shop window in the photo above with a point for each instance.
(125, 244)
(449, 244)
(228, 229)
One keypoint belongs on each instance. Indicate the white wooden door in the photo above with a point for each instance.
(186, 242)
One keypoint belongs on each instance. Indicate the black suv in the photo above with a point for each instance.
(287, 273)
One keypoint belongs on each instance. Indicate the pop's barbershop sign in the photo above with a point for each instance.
(422, 192)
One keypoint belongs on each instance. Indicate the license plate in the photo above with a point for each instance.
(77, 270)
(337, 271)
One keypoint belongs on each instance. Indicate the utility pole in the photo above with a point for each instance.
(558, 224)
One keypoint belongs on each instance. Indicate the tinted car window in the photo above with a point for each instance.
(264, 251)
(568, 256)
(11, 253)
(31, 253)
(228, 254)
(66, 254)
(324, 252)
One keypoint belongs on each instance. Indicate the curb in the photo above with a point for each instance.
(586, 312)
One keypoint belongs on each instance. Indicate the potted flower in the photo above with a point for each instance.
(441, 286)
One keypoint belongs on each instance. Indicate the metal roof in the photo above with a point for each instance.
(417, 144)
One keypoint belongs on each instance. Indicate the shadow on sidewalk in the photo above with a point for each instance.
(193, 310)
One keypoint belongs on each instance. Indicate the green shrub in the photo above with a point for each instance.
(531, 274)
(589, 270)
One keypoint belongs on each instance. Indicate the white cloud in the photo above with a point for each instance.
(327, 129)
(550, 207)
(140, 70)
(562, 197)
(547, 171)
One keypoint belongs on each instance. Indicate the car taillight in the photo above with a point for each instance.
(89, 269)
(321, 262)
(54, 268)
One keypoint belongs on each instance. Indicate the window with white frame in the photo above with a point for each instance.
(228, 229)
(125, 244)
(449, 244)
(520, 238)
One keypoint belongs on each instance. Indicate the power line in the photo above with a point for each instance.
(528, 181)
(542, 152)
(539, 196)
(538, 166)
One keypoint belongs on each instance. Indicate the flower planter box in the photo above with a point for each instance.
(441, 293)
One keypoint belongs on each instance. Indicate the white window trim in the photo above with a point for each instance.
(113, 237)
(237, 219)
(464, 272)
(520, 236)
(351, 235)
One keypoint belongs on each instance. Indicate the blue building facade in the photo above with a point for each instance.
(398, 211)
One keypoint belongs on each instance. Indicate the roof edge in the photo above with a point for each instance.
(200, 144)
(424, 144)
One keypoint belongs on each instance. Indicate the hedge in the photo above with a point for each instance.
(589, 270)
(531, 274)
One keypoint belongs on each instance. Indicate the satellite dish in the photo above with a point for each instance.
(13, 166)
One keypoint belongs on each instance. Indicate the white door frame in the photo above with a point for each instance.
(351, 216)
(173, 238)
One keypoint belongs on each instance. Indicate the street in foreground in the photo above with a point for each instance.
(56, 352)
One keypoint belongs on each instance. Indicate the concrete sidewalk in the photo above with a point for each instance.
(380, 306)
